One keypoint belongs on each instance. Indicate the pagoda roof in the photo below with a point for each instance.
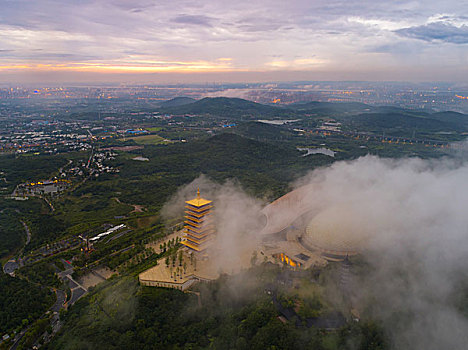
(194, 246)
(198, 235)
(198, 241)
(195, 214)
(190, 245)
(195, 219)
(198, 201)
(205, 209)
(198, 230)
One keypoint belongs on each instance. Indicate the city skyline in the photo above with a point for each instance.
(187, 41)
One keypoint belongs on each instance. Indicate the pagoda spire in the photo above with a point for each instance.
(198, 193)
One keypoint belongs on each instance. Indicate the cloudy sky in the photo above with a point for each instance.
(233, 40)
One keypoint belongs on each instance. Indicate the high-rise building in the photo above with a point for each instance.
(199, 228)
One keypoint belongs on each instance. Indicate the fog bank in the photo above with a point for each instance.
(414, 215)
(411, 216)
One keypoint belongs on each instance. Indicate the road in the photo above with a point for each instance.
(63, 167)
(77, 293)
(61, 297)
(28, 233)
(48, 202)
(77, 289)
(59, 304)
(90, 158)
(12, 265)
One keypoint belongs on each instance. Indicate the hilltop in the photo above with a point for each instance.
(177, 101)
(229, 107)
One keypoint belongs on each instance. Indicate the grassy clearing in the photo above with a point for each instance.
(147, 139)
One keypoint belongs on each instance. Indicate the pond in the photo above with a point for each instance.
(321, 150)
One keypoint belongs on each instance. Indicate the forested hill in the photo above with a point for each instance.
(333, 107)
(358, 116)
(21, 303)
(264, 132)
(229, 107)
(177, 101)
(260, 167)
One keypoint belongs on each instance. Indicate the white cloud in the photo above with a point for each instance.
(380, 23)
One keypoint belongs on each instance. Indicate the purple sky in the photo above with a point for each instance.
(205, 41)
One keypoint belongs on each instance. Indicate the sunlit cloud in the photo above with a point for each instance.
(380, 23)
(302, 63)
(223, 36)
(452, 19)
(135, 67)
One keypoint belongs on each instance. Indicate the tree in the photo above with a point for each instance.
(181, 257)
(167, 261)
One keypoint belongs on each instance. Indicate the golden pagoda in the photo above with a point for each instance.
(198, 227)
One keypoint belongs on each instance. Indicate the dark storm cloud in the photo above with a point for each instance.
(437, 31)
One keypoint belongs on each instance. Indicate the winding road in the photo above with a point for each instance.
(13, 264)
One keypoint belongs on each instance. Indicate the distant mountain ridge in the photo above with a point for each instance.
(338, 107)
(177, 101)
(228, 107)
(355, 114)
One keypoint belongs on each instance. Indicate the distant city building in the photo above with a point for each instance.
(41, 187)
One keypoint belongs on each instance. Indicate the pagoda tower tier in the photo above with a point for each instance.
(198, 228)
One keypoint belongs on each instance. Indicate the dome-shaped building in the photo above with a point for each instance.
(336, 232)
(298, 227)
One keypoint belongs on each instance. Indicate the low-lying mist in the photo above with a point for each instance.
(413, 214)
(236, 214)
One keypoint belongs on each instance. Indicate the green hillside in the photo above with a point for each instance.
(260, 167)
(230, 108)
(177, 101)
